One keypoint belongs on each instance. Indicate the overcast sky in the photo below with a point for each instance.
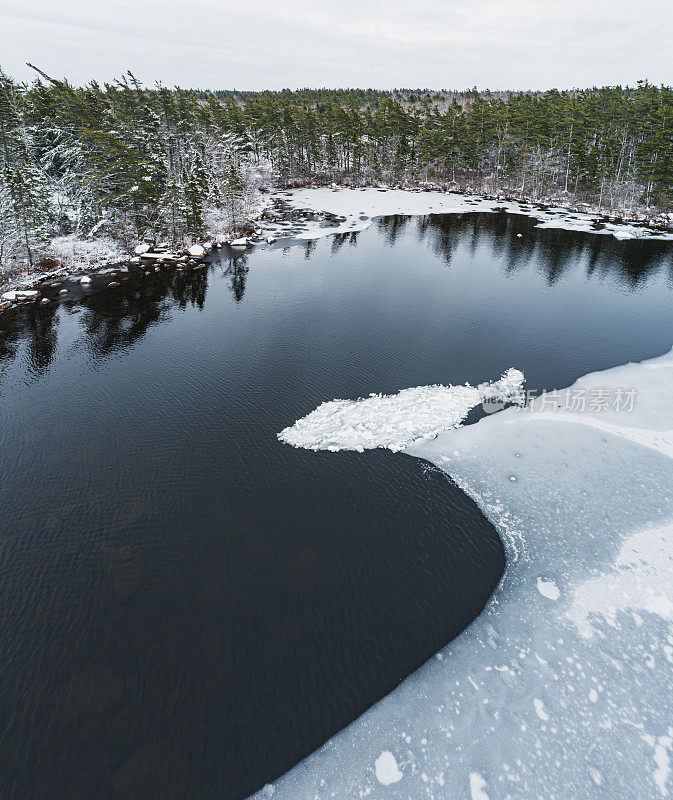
(273, 44)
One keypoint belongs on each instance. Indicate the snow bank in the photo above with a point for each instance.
(74, 252)
(15, 294)
(395, 421)
(361, 206)
(561, 687)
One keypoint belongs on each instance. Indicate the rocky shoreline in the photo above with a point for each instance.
(279, 221)
(652, 219)
(282, 222)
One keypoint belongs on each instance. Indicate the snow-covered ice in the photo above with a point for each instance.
(641, 580)
(373, 203)
(395, 421)
(477, 787)
(561, 688)
(548, 589)
(387, 769)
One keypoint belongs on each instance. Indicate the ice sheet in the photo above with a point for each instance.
(561, 688)
(361, 206)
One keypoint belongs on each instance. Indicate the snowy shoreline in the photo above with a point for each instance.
(373, 203)
(312, 213)
(560, 687)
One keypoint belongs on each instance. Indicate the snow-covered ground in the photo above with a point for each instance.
(74, 252)
(561, 688)
(358, 207)
(361, 206)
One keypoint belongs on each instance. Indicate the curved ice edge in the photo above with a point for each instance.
(396, 421)
(560, 688)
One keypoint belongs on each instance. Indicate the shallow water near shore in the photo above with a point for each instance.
(190, 606)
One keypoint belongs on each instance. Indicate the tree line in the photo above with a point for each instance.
(611, 146)
(118, 161)
(125, 161)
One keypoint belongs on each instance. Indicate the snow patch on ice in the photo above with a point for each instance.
(548, 589)
(663, 770)
(373, 203)
(387, 770)
(477, 787)
(395, 421)
(540, 709)
(641, 579)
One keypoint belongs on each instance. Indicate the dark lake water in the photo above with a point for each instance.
(188, 606)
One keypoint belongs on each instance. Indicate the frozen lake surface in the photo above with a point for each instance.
(190, 606)
(561, 687)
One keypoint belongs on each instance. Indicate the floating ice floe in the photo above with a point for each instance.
(395, 421)
(561, 688)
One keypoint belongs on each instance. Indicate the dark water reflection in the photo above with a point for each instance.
(188, 607)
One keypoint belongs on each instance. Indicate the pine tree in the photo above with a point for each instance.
(24, 187)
